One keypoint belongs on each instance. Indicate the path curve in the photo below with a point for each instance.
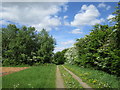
(59, 80)
(84, 85)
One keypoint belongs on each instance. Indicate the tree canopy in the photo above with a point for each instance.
(26, 46)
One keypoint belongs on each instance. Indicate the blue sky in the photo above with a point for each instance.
(65, 21)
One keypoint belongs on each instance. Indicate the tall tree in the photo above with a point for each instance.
(46, 45)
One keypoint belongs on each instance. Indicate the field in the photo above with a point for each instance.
(44, 76)
(33, 77)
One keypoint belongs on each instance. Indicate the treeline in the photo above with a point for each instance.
(26, 46)
(100, 49)
(97, 50)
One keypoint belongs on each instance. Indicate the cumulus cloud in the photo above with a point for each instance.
(110, 17)
(40, 14)
(87, 16)
(103, 5)
(76, 31)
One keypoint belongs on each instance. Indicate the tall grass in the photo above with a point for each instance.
(34, 77)
(95, 78)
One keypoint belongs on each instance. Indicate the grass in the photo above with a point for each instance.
(35, 77)
(69, 81)
(95, 78)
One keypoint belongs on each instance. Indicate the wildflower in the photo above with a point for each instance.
(94, 81)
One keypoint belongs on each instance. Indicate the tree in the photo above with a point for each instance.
(26, 46)
(71, 55)
(46, 46)
(59, 57)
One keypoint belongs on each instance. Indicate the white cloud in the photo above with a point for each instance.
(65, 17)
(87, 16)
(103, 5)
(110, 17)
(70, 42)
(40, 14)
(76, 31)
(48, 23)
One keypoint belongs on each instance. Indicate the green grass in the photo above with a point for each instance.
(69, 81)
(95, 78)
(35, 77)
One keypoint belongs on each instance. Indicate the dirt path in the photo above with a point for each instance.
(9, 70)
(84, 85)
(59, 80)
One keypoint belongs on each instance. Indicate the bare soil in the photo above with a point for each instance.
(9, 70)
(59, 80)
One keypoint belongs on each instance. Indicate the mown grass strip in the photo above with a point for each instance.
(34, 77)
(95, 78)
(69, 81)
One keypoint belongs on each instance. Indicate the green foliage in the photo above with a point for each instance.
(100, 49)
(59, 57)
(116, 19)
(26, 46)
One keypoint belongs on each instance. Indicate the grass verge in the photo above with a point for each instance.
(69, 81)
(34, 77)
(95, 78)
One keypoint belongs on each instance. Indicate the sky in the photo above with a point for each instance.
(65, 21)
